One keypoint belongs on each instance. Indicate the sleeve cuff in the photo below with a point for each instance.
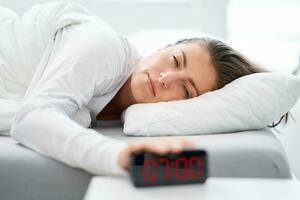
(116, 169)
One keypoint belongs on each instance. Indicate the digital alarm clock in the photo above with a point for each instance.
(186, 167)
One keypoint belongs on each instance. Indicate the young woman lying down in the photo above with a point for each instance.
(74, 59)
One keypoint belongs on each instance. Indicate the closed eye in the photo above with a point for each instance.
(176, 61)
(186, 92)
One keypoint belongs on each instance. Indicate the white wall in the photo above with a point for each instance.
(128, 16)
(267, 31)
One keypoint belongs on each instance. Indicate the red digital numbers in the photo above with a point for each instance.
(195, 173)
(150, 165)
(182, 173)
(167, 166)
(184, 168)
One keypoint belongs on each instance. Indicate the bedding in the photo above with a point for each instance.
(252, 102)
(255, 153)
(27, 175)
(248, 103)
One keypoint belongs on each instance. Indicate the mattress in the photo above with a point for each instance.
(255, 153)
(25, 174)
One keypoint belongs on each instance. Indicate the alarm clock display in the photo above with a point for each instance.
(151, 169)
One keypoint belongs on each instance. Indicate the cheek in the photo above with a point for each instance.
(148, 63)
(139, 87)
(171, 94)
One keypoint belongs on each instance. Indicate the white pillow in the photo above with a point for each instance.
(250, 102)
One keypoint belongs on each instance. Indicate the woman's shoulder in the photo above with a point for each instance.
(91, 41)
(92, 34)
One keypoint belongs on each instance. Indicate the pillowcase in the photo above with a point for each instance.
(250, 102)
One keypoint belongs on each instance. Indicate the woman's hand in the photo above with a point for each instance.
(155, 145)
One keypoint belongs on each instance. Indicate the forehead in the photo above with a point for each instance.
(199, 65)
(194, 52)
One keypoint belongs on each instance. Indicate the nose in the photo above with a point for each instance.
(167, 78)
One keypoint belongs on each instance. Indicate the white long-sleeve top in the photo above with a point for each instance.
(87, 65)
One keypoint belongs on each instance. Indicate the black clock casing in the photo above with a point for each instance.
(150, 169)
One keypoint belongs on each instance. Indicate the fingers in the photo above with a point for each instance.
(189, 143)
(180, 145)
(162, 145)
(156, 146)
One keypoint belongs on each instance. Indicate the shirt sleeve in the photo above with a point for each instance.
(67, 83)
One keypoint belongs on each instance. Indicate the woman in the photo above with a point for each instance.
(88, 64)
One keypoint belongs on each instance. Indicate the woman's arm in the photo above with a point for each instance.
(49, 131)
(43, 121)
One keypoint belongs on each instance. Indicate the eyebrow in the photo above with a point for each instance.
(190, 80)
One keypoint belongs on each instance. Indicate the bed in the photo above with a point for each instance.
(25, 174)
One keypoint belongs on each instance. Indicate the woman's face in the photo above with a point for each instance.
(174, 73)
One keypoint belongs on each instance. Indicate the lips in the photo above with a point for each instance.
(150, 84)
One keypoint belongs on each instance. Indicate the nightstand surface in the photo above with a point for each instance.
(115, 188)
